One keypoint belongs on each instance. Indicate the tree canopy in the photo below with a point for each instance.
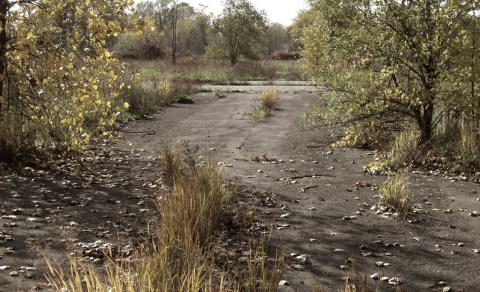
(178, 25)
(389, 63)
(239, 31)
(57, 77)
(276, 37)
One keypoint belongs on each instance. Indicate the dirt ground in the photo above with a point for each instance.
(318, 200)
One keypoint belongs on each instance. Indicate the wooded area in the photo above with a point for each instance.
(391, 66)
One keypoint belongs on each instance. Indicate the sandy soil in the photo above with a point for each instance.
(317, 199)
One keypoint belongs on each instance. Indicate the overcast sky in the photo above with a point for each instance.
(282, 11)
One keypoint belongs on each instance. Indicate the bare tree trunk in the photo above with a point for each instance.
(233, 60)
(4, 147)
(475, 110)
(426, 126)
(4, 5)
(174, 32)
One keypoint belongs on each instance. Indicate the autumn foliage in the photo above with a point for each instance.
(393, 65)
(59, 83)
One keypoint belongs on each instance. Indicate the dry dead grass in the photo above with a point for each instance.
(469, 147)
(260, 276)
(396, 195)
(180, 256)
(268, 99)
(405, 148)
(264, 105)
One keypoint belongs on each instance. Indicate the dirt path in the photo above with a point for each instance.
(313, 190)
(305, 195)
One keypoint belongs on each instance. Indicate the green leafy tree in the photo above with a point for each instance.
(169, 17)
(464, 80)
(239, 31)
(388, 63)
(203, 23)
(276, 37)
(297, 29)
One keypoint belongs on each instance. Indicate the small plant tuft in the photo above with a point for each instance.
(380, 167)
(405, 148)
(220, 94)
(264, 105)
(396, 195)
(268, 99)
(260, 115)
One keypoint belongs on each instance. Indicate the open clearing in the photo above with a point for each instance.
(317, 199)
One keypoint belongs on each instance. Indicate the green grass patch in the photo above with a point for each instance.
(200, 70)
(261, 114)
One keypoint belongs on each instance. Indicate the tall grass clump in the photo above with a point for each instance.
(171, 168)
(264, 105)
(260, 277)
(142, 100)
(405, 148)
(147, 97)
(193, 210)
(175, 90)
(79, 277)
(155, 269)
(268, 99)
(396, 195)
(180, 254)
(179, 257)
(469, 148)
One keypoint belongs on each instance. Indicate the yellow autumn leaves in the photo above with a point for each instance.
(393, 64)
(67, 84)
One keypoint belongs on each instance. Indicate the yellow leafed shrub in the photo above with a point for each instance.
(62, 80)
